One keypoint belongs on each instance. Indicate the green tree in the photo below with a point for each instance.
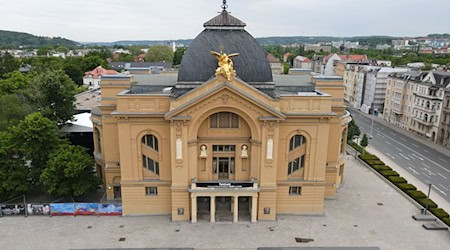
(36, 137)
(91, 62)
(7, 64)
(103, 53)
(14, 83)
(62, 49)
(123, 57)
(178, 55)
(353, 130)
(43, 51)
(13, 169)
(75, 73)
(69, 172)
(55, 95)
(286, 67)
(159, 53)
(365, 141)
(13, 109)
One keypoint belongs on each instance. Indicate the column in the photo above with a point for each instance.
(254, 208)
(193, 209)
(213, 209)
(235, 209)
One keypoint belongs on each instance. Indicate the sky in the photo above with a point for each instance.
(114, 20)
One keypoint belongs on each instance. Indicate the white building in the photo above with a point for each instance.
(93, 78)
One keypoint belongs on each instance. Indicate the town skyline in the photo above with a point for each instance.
(139, 20)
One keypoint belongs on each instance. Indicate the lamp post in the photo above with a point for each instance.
(371, 127)
(428, 198)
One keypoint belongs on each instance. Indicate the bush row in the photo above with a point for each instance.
(401, 183)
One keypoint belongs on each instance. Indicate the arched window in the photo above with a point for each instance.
(296, 158)
(151, 141)
(224, 120)
(150, 157)
(98, 141)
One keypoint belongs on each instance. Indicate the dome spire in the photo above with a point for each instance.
(224, 5)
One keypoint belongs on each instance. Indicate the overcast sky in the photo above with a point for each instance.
(112, 20)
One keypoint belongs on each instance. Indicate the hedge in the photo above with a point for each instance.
(431, 203)
(381, 168)
(368, 156)
(405, 187)
(374, 162)
(395, 179)
(415, 194)
(446, 221)
(389, 173)
(440, 213)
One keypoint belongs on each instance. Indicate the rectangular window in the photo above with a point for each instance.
(289, 168)
(295, 190)
(151, 191)
(151, 165)
(144, 161)
(224, 148)
(156, 168)
(302, 161)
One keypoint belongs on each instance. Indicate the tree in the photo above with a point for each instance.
(365, 141)
(62, 49)
(7, 64)
(70, 172)
(35, 137)
(55, 95)
(178, 55)
(91, 62)
(353, 130)
(14, 83)
(13, 109)
(159, 53)
(75, 73)
(13, 170)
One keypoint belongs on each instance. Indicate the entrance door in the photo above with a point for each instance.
(117, 193)
(224, 165)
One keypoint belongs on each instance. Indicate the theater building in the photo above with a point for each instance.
(224, 139)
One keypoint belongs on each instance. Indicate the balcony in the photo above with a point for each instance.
(424, 122)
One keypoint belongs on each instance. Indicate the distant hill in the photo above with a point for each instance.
(16, 39)
(364, 40)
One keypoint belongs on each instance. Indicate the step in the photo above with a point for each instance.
(435, 226)
(424, 217)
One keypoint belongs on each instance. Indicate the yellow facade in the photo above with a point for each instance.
(182, 126)
(221, 146)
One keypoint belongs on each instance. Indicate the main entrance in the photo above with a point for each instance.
(225, 167)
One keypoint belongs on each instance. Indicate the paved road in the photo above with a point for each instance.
(422, 161)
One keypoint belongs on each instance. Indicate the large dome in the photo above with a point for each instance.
(227, 32)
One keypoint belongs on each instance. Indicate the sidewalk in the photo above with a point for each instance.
(438, 199)
(367, 212)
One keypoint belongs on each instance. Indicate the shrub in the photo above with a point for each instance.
(396, 179)
(405, 187)
(356, 147)
(369, 157)
(424, 202)
(416, 195)
(446, 221)
(381, 167)
(389, 173)
(374, 162)
(439, 212)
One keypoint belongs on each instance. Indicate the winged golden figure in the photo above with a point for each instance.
(225, 63)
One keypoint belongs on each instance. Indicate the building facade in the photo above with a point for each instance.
(223, 137)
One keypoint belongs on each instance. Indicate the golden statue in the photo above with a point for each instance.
(225, 64)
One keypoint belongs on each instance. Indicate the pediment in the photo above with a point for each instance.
(225, 91)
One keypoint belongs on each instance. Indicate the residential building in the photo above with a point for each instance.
(302, 62)
(317, 47)
(275, 64)
(220, 136)
(444, 126)
(329, 62)
(140, 68)
(93, 78)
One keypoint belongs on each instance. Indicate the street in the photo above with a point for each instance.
(425, 163)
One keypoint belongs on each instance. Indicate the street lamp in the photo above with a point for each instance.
(371, 127)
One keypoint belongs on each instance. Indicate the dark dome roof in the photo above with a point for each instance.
(198, 65)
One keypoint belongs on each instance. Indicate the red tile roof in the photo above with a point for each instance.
(347, 57)
(272, 58)
(100, 71)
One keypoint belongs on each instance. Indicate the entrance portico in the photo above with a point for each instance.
(233, 189)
